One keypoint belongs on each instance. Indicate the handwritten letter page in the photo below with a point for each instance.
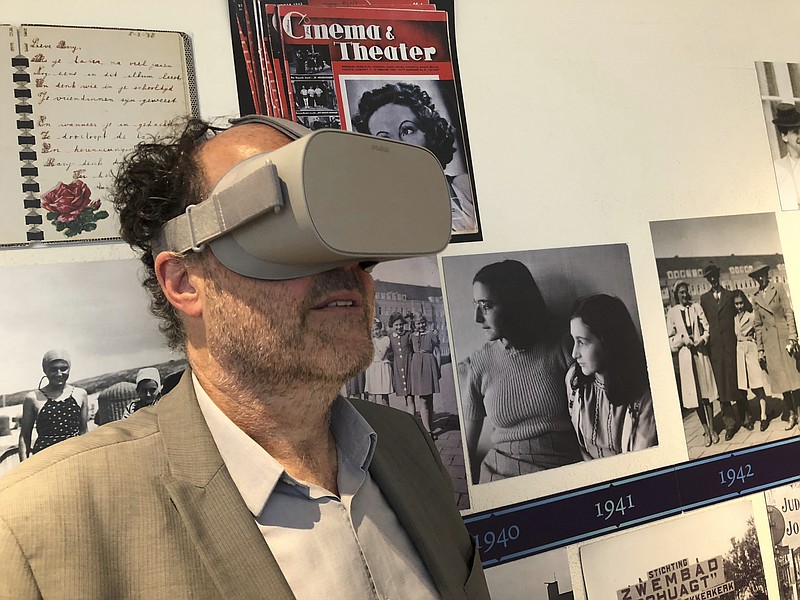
(95, 94)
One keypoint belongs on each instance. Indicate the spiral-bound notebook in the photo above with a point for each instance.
(82, 98)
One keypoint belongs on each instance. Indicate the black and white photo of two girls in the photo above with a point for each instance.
(551, 365)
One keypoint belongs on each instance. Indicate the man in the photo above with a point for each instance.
(252, 478)
(717, 303)
(787, 169)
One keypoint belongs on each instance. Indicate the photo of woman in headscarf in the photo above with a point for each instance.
(406, 112)
(55, 412)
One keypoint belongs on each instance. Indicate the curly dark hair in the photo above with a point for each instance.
(626, 367)
(155, 183)
(439, 134)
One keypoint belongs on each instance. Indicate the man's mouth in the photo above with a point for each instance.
(337, 303)
(343, 299)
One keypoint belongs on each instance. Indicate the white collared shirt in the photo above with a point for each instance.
(330, 547)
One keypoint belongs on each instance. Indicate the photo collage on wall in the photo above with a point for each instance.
(537, 366)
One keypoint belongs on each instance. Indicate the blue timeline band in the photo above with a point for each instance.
(527, 528)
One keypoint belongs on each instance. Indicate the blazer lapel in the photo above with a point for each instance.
(406, 490)
(765, 297)
(214, 514)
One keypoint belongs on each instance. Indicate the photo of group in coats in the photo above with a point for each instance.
(551, 366)
(412, 367)
(731, 330)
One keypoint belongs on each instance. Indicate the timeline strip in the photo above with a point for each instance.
(510, 532)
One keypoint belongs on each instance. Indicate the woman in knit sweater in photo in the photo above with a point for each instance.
(516, 379)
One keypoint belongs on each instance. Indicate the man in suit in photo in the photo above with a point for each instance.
(252, 478)
(717, 304)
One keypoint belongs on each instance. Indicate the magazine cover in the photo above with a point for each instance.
(383, 72)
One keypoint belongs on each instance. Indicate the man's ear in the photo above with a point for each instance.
(180, 286)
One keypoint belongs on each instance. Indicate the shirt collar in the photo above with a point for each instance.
(256, 473)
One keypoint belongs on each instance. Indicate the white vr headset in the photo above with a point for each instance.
(327, 199)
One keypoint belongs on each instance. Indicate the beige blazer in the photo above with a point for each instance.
(145, 508)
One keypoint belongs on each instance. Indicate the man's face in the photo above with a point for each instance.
(762, 278)
(277, 333)
(713, 278)
(792, 141)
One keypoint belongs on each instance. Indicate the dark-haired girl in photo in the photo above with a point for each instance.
(55, 412)
(749, 373)
(609, 393)
(516, 380)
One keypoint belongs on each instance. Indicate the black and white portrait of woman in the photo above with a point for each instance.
(423, 113)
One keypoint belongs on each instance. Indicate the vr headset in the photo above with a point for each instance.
(328, 199)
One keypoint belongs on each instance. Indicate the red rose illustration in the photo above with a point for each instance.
(67, 200)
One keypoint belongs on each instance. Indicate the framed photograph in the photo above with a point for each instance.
(730, 327)
(779, 84)
(551, 367)
(711, 553)
(412, 368)
(95, 317)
